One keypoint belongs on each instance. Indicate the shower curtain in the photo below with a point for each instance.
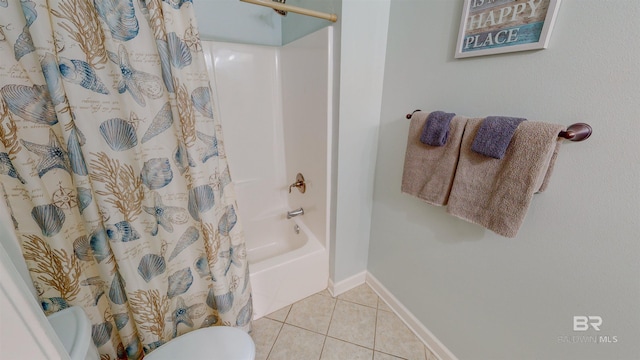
(113, 172)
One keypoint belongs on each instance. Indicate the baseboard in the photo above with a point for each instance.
(347, 284)
(421, 331)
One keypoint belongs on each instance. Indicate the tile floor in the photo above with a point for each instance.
(355, 325)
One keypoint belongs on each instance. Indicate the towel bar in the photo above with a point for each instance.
(575, 132)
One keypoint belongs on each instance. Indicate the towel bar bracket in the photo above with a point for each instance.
(410, 115)
(575, 132)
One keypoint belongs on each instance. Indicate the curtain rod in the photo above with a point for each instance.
(293, 9)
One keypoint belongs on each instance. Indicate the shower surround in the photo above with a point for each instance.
(274, 105)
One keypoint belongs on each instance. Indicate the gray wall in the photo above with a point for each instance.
(295, 26)
(363, 46)
(489, 297)
(239, 22)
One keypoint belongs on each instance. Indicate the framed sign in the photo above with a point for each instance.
(499, 26)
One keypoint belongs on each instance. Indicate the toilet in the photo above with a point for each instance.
(218, 342)
(73, 327)
(74, 331)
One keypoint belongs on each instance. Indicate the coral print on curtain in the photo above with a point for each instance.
(113, 171)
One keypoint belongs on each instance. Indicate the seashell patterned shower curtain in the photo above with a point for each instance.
(113, 171)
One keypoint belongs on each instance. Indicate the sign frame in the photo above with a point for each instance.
(492, 27)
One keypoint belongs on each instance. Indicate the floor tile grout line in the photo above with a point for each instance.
(375, 328)
(406, 324)
(329, 336)
(373, 349)
(339, 297)
(274, 341)
(324, 341)
(288, 312)
(386, 353)
(357, 303)
(279, 331)
(331, 318)
(349, 342)
(301, 328)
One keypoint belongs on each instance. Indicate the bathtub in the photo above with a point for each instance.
(275, 114)
(294, 268)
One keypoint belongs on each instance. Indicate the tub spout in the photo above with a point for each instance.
(296, 212)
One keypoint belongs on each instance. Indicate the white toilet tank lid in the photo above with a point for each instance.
(212, 343)
(74, 330)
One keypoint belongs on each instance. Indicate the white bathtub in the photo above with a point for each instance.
(274, 110)
(294, 268)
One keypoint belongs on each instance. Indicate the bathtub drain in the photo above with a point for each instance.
(296, 228)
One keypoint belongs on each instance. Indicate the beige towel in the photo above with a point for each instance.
(429, 170)
(496, 193)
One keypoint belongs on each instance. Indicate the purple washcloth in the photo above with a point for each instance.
(494, 135)
(436, 129)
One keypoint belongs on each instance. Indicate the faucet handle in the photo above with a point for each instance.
(300, 184)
